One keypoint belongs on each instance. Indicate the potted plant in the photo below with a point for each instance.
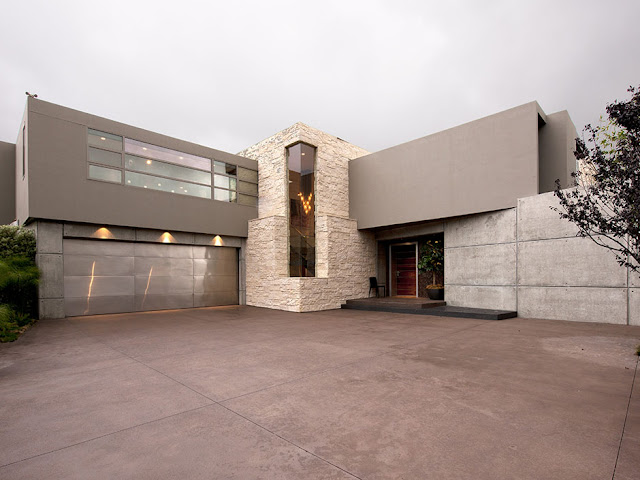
(432, 260)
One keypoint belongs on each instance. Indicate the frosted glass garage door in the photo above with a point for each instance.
(114, 277)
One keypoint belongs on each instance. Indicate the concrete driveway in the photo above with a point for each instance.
(246, 393)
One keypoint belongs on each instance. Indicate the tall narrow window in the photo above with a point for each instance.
(302, 219)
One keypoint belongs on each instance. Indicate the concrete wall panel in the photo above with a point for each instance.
(49, 237)
(501, 298)
(634, 306)
(80, 230)
(481, 265)
(537, 220)
(51, 276)
(580, 304)
(571, 261)
(51, 308)
(489, 228)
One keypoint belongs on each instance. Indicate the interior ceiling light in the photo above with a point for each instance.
(102, 138)
(148, 162)
(306, 202)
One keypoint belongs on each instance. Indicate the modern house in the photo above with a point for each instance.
(129, 220)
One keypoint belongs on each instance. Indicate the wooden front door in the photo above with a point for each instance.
(403, 270)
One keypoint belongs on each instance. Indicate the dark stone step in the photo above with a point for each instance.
(440, 311)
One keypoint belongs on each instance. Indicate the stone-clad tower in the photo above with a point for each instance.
(304, 253)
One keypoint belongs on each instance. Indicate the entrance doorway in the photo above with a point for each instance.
(403, 269)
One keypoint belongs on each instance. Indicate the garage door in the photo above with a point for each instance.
(113, 277)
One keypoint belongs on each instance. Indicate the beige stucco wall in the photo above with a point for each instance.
(345, 257)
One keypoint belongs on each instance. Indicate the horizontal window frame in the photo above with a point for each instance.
(103, 147)
(109, 167)
(210, 169)
(213, 194)
(123, 168)
(163, 176)
(89, 160)
(166, 191)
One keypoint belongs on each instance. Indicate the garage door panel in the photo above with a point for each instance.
(163, 285)
(130, 277)
(163, 250)
(218, 283)
(221, 266)
(163, 302)
(163, 267)
(215, 253)
(98, 305)
(98, 247)
(83, 265)
(97, 286)
(213, 299)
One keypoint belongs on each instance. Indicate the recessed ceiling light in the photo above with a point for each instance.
(148, 162)
(145, 186)
(102, 138)
(144, 148)
(128, 181)
(303, 153)
(181, 158)
(159, 184)
(185, 191)
(173, 191)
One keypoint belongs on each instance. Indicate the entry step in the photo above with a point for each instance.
(422, 306)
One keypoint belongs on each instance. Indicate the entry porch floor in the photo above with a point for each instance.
(425, 306)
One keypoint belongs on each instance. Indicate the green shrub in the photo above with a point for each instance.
(17, 242)
(18, 285)
(9, 330)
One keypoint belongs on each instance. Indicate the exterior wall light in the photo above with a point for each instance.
(103, 233)
(217, 241)
(166, 237)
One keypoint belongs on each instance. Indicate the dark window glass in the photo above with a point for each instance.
(302, 224)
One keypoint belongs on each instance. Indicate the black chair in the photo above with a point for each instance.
(373, 285)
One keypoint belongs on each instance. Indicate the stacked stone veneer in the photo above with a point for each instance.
(345, 257)
(528, 259)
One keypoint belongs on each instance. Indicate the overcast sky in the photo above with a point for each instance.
(375, 73)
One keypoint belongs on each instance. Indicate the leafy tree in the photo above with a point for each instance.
(605, 206)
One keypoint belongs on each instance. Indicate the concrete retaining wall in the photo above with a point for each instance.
(528, 259)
